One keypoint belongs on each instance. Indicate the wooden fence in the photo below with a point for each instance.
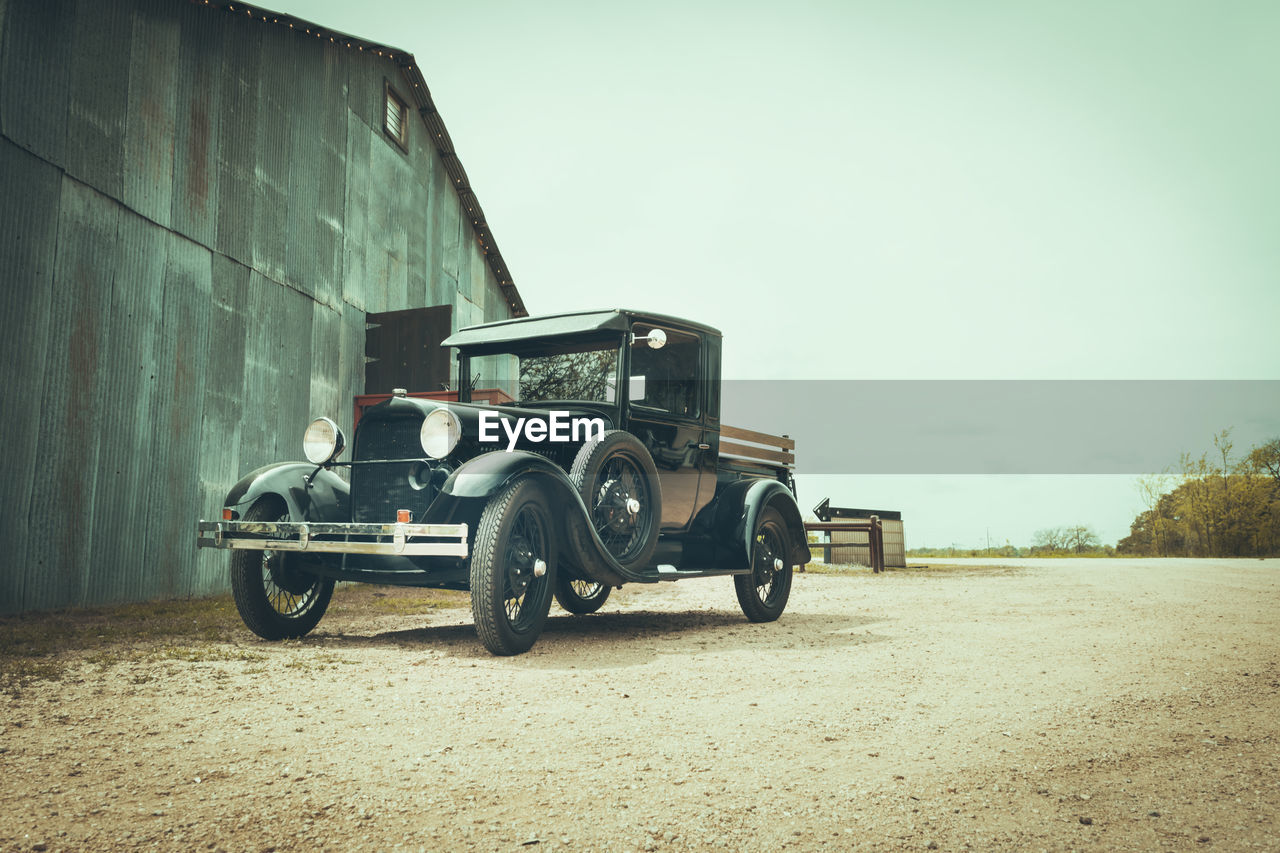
(875, 538)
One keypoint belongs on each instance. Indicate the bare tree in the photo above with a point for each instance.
(1049, 539)
(567, 376)
(1153, 487)
(1081, 539)
(1266, 459)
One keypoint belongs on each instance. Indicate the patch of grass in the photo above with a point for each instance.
(406, 605)
(319, 662)
(205, 654)
(40, 646)
(49, 632)
(913, 569)
(16, 674)
(36, 646)
(835, 569)
(360, 598)
(958, 569)
(106, 658)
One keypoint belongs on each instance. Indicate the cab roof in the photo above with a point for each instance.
(563, 325)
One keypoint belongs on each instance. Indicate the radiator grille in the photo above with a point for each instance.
(377, 491)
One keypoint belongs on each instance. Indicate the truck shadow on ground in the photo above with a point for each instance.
(613, 639)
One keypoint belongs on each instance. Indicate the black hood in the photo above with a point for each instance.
(468, 415)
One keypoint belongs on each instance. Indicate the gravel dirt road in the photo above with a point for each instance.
(1057, 705)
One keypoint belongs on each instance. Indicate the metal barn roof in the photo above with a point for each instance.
(430, 116)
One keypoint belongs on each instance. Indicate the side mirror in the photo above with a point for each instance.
(656, 339)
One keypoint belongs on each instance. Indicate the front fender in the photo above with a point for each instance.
(738, 513)
(326, 498)
(488, 474)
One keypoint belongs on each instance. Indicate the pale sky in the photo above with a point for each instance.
(927, 190)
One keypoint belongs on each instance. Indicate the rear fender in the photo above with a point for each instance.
(737, 513)
(327, 497)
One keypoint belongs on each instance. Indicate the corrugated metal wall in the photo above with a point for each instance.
(196, 211)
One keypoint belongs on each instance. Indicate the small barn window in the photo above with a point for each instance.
(395, 121)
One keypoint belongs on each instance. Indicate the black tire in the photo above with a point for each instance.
(579, 596)
(276, 599)
(608, 473)
(763, 592)
(509, 601)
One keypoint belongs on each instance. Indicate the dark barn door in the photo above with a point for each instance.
(402, 350)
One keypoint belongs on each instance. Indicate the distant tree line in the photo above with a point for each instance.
(1075, 540)
(1213, 506)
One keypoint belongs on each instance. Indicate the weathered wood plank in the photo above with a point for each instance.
(758, 437)
(758, 452)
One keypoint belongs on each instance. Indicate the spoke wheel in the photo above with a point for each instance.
(276, 599)
(618, 487)
(580, 596)
(763, 592)
(512, 569)
(618, 482)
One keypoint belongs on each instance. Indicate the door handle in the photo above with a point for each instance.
(704, 447)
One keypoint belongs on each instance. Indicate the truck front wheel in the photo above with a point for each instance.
(513, 569)
(277, 600)
(763, 592)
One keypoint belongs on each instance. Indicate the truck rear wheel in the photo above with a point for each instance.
(579, 596)
(276, 599)
(763, 592)
(513, 569)
(618, 482)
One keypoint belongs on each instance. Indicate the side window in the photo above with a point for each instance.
(713, 377)
(665, 379)
(395, 117)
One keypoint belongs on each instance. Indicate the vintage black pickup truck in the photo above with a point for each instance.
(573, 489)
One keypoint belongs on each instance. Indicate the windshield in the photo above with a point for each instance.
(585, 372)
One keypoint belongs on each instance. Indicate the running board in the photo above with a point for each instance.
(668, 572)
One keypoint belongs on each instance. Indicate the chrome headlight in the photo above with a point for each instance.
(440, 433)
(322, 441)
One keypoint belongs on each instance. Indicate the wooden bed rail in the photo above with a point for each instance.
(773, 450)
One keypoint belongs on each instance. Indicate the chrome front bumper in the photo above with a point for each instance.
(408, 540)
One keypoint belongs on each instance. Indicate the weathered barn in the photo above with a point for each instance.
(203, 208)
